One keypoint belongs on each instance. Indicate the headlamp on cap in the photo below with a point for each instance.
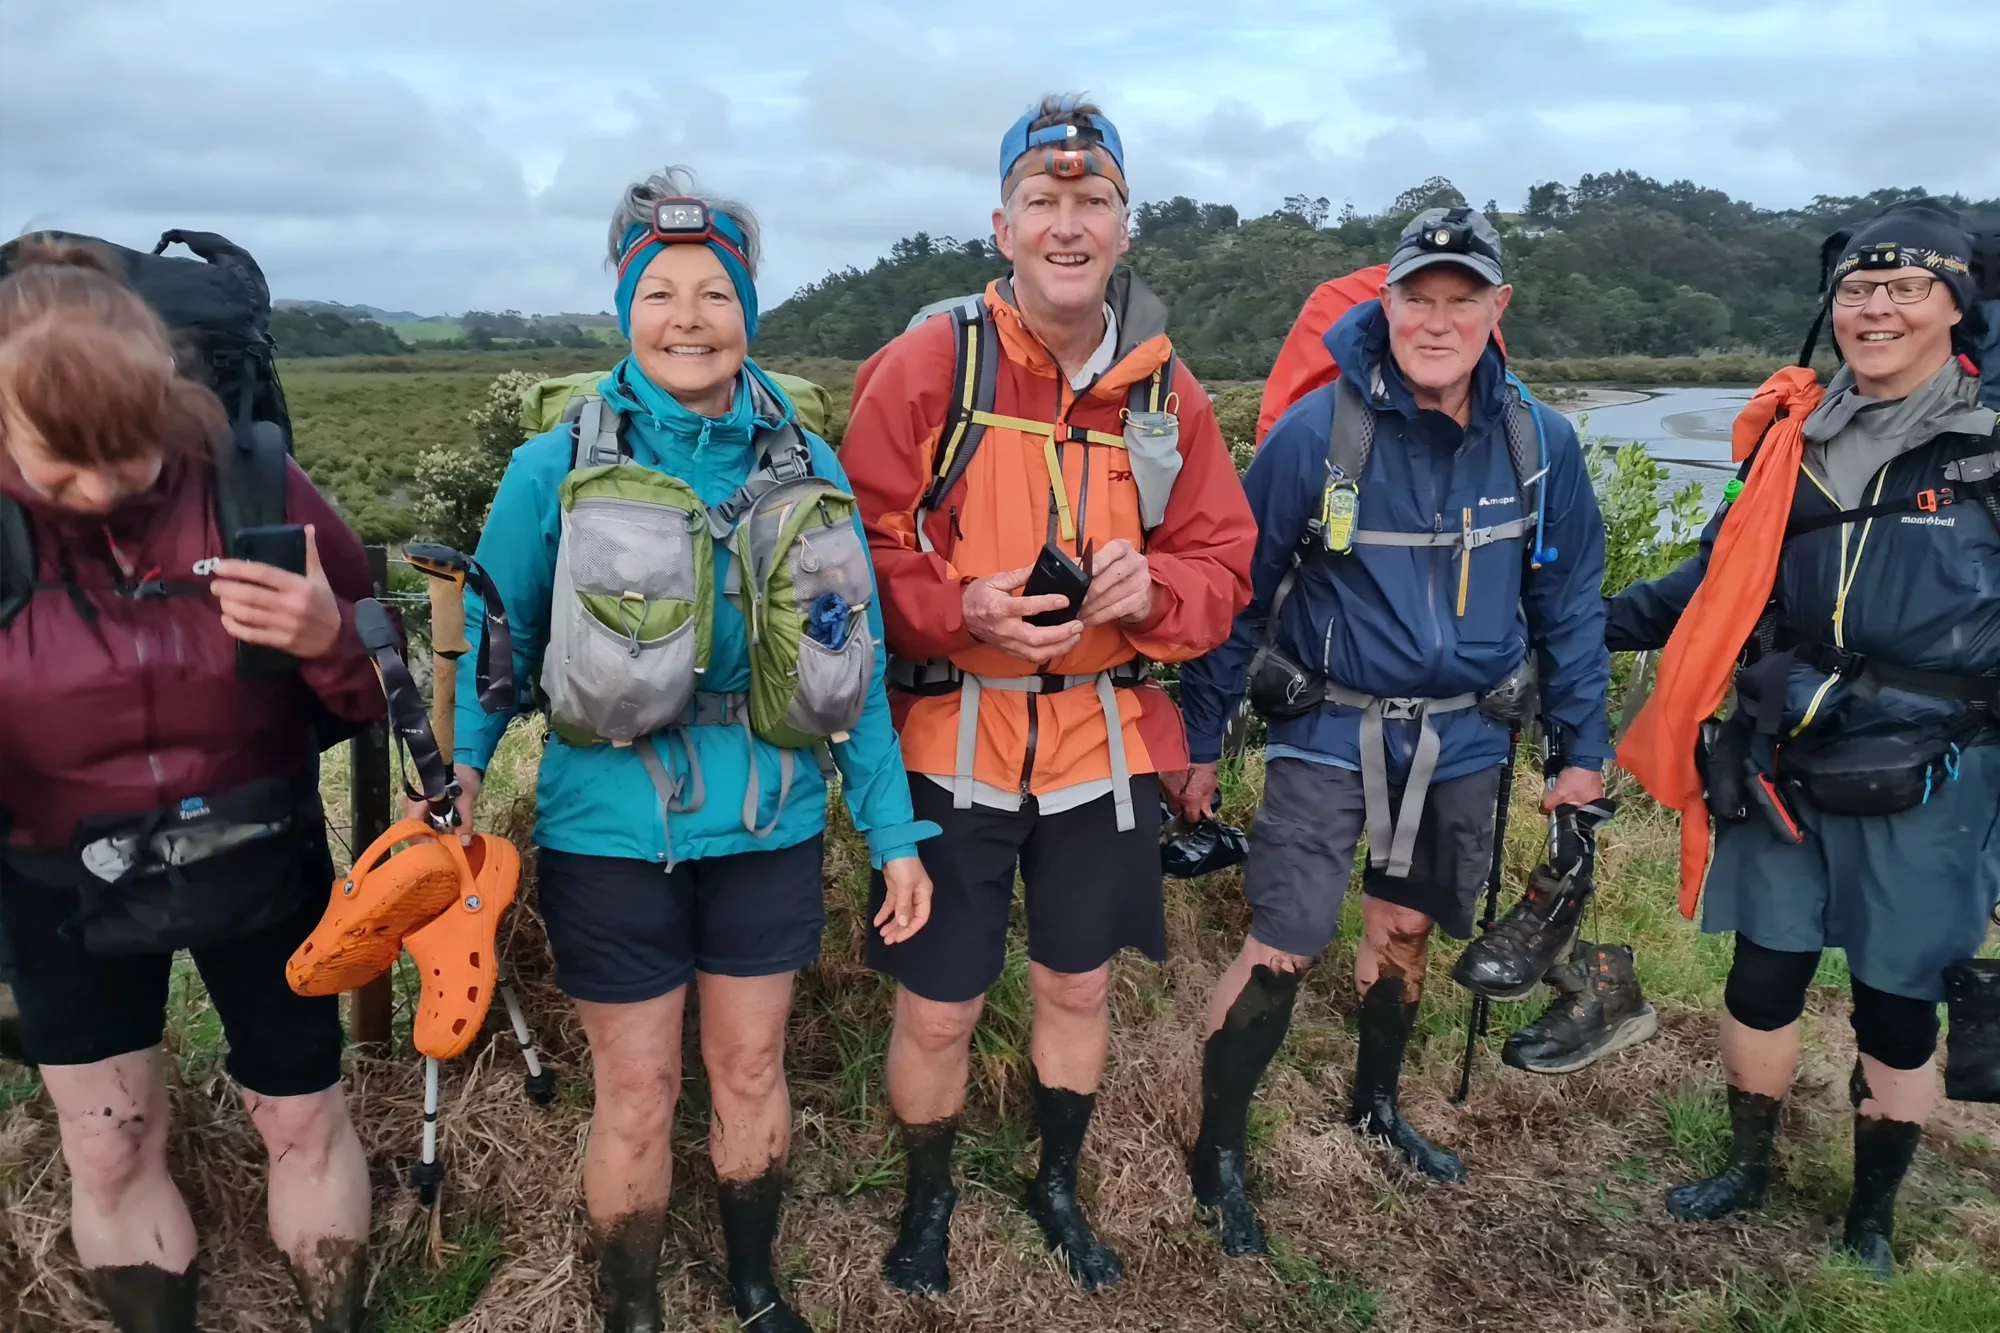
(1886, 255)
(1452, 235)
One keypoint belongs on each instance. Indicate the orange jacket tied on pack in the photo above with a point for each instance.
(1022, 743)
(1700, 656)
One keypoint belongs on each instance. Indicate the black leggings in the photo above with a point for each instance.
(1767, 991)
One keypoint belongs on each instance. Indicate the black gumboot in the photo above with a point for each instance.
(749, 1211)
(1232, 1063)
(1217, 1177)
(920, 1261)
(1050, 1198)
(1598, 1009)
(143, 1299)
(628, 1258)
(1883, 1150)
(1385, 1024)
(1753, 1120)
(1972, 1046)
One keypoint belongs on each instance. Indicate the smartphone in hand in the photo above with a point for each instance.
(1055, 574)
(284, 546)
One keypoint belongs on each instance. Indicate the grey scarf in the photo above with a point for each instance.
(1850, 436)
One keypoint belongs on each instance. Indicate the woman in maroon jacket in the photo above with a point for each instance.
(160, 797)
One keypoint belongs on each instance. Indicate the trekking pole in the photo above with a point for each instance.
(540, 1084)
(1476, 1029)
(445, 570)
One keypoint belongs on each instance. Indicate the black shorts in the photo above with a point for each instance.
(78, 1008)
(624, 930)
(1302, 853)
(1090, 891)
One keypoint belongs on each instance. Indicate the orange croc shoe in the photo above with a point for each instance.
(455, 954)
(372, 908)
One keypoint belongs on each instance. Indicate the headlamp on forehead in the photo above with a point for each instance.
(680, 220)
(1886, 255)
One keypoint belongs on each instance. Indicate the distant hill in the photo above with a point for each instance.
(354, 312)
(1616, 264)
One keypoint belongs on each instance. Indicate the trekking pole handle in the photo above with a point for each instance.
(445, 571)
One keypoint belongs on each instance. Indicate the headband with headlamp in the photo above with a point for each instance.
(1066, 151)
(680, 220)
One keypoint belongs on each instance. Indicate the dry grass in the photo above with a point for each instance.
(1561, 1228)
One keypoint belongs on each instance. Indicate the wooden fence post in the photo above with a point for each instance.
(372, 1004)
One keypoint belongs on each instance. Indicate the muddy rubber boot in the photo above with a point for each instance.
(1064, 1116)
(1882, 1153)
(1972, 1046)
(1599, 1009)
(628, 1258)
(1385, 1033)
(1232, 1062)
(749, 1229)
(1753, 1121)
(920, 1261)
(143, 1299)
(332, 1285)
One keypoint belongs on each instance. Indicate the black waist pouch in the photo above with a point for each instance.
(1868, 775)
(206, 871)
(1278, 687)
(1721, 753)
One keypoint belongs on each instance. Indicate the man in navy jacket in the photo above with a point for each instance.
(1404, 594)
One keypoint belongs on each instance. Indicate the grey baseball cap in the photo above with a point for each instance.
(1448, 236)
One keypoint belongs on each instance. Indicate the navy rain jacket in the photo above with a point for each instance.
(1918, 590)
(1384, 619)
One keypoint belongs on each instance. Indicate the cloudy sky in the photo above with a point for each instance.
(434, 156)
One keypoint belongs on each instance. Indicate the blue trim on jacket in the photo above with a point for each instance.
(1384, 619)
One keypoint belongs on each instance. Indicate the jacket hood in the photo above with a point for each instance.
(1359, 345)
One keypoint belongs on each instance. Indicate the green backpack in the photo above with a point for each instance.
(631, 616)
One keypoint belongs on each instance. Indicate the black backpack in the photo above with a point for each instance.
(219, 309)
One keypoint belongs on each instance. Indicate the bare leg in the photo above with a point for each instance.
(635, 1052)
(1254, 954)
(743, 1048)
(1072, 1029)
(1762, 1063)
(319, 1201)
(1396, 943)
(123, 1207)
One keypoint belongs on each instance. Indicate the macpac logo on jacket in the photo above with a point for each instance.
(997, 518)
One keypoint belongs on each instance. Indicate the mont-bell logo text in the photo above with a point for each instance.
(1498, 499)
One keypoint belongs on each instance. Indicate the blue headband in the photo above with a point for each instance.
(641, 243)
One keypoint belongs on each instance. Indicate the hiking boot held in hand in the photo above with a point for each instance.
(1508, 961)
(1599, 1009)
(1378, 1070)
(1972, 1046)
(1753, 1120)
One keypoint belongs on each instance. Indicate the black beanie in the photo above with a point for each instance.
(1922, 233)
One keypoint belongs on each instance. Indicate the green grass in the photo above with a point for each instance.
(1323, 1302)
(1952, 1298)
(1698, 1125)
(411, 1298)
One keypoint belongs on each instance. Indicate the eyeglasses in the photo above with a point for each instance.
(1903, 291)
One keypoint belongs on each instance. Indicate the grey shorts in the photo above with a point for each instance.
(1905, 895)
(1302, 854)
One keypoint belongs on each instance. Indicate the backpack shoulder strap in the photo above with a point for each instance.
(1351, 439)
(975, 375)
(17, 560)
(597, 433)
(1528, 447)
(250, 480)
(1155, 392)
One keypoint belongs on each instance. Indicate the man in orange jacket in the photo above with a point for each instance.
(1045, 424)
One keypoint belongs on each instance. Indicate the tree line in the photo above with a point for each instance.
(300, 332)
(1615, 264)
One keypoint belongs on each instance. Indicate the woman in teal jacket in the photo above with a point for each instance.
(639, 900)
